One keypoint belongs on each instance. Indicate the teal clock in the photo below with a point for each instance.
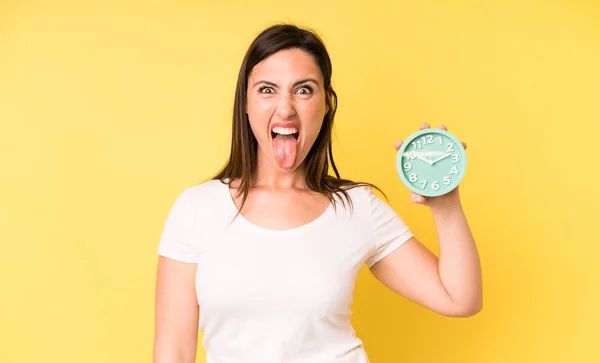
(431, 162)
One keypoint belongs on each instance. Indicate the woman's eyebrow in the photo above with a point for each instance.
(274, 85)
(306, 80)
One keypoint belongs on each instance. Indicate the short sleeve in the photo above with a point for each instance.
(179, 239)
(389, 230)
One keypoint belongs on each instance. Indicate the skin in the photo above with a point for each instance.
(279, 199)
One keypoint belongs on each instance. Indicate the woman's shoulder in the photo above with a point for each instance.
(207, 189)
(359, 191)
(366, 197)
(204, 197)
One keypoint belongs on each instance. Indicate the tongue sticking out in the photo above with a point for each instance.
(285, 150)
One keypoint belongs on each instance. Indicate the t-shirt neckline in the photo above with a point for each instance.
(234, 209)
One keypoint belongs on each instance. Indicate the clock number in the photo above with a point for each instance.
(427, 139)
(455, 158)
(423, 184)
(435, 186)
(412, 177)
(417, 144)
(454, 170)
(412, 154)
(450, 147)
(407, 166)
(446, 180)
(440, 138)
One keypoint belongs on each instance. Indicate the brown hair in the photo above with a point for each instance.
(243, 155)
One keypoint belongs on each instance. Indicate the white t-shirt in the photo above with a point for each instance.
(278, 296)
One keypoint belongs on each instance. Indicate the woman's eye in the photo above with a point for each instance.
(305, 90)
(265, 89)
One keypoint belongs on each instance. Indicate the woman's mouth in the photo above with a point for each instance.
(285, 131)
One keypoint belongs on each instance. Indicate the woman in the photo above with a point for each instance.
(263, 257)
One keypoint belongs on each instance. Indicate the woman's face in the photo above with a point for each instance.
(286, 106)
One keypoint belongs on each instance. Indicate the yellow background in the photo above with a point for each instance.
(108, 109)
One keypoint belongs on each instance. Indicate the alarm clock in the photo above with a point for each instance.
(431, 162)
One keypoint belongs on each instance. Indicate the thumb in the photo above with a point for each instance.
(417, 199)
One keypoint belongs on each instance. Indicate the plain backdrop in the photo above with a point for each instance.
(109, 109)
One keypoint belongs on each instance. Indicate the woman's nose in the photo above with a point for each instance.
(285, 108)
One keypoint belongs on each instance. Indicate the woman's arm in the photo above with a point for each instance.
(449, 285)
(176, 312)
(459, 265)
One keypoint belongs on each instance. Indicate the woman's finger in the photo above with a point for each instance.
(398, 144)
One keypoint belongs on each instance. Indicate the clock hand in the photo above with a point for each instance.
(425, 160)
(441, 158)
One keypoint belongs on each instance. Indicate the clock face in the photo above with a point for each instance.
(431, 162)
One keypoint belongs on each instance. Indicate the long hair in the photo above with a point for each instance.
(243, 155)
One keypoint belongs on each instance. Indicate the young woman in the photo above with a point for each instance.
(263, 257)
